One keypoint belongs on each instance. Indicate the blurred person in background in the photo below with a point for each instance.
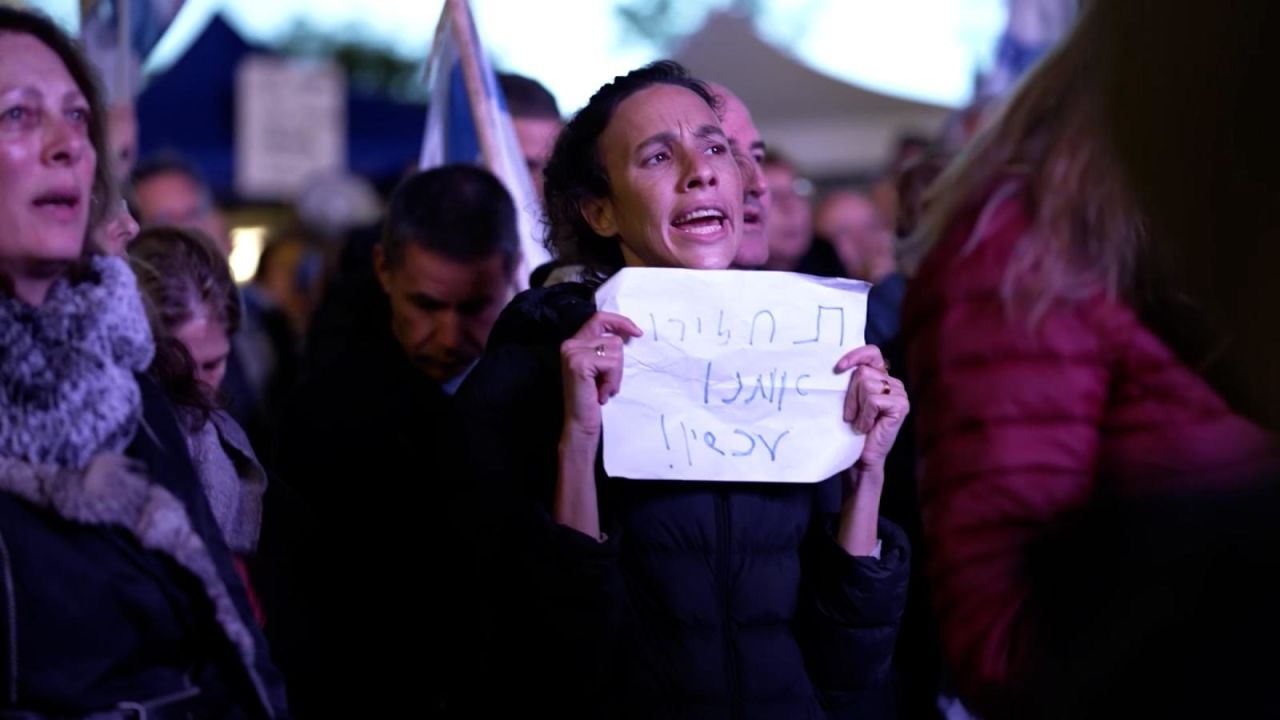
(790, 226)
(121, 596)
(116, 228)
(194, 313)
(908, 149)
(746, 143)
(122, 137)
(168, 190)
(537, 121)
(278, 305)
(913, 185)
(918, 657)
(118, 225)
(1041, 391)
(536, 118)
(340, 214)
(850, 222)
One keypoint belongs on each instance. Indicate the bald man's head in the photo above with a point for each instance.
(747, 144)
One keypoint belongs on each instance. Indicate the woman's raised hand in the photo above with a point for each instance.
(591, 366)
(876, 403)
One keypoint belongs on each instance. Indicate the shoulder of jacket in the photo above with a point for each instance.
(546, 314)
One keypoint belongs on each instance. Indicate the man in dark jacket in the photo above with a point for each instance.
(362, 553)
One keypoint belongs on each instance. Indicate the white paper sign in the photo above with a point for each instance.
(291, 123)
(733, 379)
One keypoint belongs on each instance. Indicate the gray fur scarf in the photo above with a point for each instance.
(67, 389)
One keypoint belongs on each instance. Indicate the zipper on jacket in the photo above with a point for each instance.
(11, 617)
(724, 578)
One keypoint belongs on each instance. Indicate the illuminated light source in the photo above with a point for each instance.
(246, 250)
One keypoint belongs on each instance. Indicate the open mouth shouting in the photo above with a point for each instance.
(703, 223)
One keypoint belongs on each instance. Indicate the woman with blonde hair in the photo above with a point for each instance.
(1040, 391)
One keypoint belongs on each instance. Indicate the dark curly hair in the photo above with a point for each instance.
(575, 172)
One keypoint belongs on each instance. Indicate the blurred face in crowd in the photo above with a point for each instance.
(175, 198)
(289, 275)
(537, 136)
(205, 338)
(47, 162)
(746, 142)
(852, 222)
(790, 228)
(122, 139)
(442, 309)
(115, 230)
(675, 189)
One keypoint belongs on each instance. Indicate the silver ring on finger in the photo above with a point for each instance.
(599, 351)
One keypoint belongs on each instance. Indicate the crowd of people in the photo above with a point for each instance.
(369, 483)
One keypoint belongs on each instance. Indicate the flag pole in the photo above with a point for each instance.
(464, 34)
(124, 59)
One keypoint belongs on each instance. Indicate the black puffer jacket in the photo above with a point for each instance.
(708, 600)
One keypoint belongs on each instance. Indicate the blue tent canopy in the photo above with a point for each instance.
(190, 110)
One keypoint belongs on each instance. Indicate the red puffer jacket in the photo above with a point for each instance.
(1021, 426)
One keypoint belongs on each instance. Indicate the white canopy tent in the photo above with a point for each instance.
(829, 128)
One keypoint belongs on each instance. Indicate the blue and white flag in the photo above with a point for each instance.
(1034, 28)
(475, 127)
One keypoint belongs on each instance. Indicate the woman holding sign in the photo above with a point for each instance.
(670, 598)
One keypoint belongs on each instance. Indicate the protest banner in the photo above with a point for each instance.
(734, 378)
